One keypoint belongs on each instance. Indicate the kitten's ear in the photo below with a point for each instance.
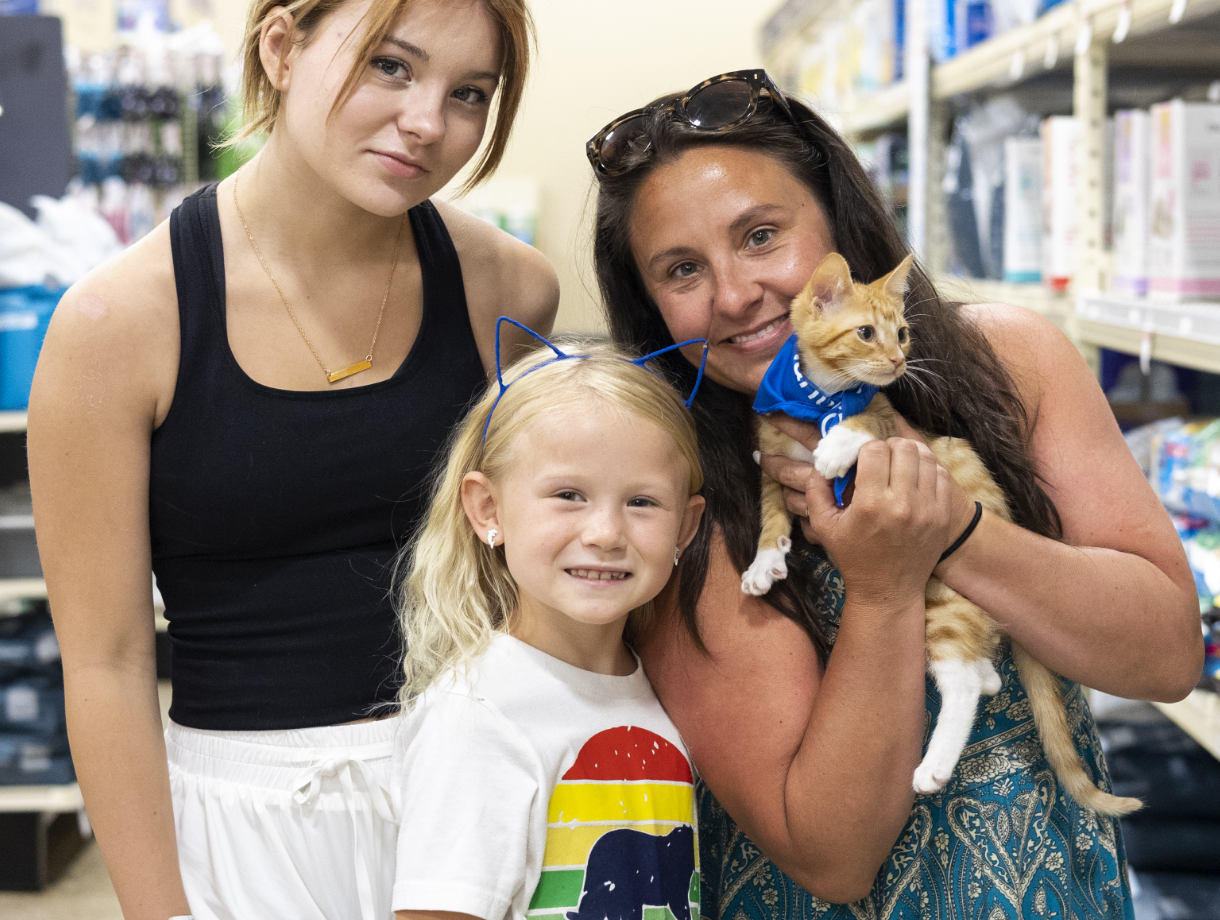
(895, 283)
(830, 281)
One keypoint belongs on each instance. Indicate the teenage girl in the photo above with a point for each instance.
(247, 402)
(535, 768)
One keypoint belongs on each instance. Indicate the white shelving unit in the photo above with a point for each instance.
(1087, 37)
(49, 800)
(12, 421)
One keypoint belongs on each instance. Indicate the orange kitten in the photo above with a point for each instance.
(849, 335)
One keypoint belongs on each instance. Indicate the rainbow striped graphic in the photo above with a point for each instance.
(630, 781)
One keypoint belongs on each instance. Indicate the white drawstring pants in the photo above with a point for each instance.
(292, 824)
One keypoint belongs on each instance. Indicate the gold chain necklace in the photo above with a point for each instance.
(331, 376)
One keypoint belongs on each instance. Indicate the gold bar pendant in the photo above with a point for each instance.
(348, 371)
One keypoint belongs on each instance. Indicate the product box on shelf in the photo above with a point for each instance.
(1022, 209)
(35, 760)
(1184, 230)
(1059, 139)
(33, 706)
(1131, 200)
(27, 646)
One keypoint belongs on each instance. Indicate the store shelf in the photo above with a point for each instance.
(12, 421)
(882, 109)
(1051, 40)
(41, 798)
(1199, 716)
(17, 588)
(1186, 334)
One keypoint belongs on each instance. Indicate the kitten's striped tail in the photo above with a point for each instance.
(1042, 688)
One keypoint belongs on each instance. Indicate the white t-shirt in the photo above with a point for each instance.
(529, 787)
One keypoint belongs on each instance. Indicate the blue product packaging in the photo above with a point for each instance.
(33, 706)
(18, 7)
(28, 646)
(973, 22)
(900, 38)
(32, 760)
(25, 314)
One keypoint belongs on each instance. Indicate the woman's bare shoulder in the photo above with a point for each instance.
(122, 315)
(133, 289)
(1032, 348)
(502, 275)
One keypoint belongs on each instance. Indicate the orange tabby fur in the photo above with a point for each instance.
(830, 318)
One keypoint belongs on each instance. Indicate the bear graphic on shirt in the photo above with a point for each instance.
(621, 841)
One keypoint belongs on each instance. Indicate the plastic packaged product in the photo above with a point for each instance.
(942, 29)
(27, 646)
(33, 706)
(1184, 231)
(34, 760)
(25, 314)
(1059, 139)
(1203, 554)
(1022, 210)
(1186, 468)
(1131, 193)
(973, 22)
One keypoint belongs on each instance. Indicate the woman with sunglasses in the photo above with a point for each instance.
(248, 402)
(805, 710)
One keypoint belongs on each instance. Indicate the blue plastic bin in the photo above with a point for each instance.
(34, 760)
(25, 313)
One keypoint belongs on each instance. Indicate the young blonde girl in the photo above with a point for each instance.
(535, 769)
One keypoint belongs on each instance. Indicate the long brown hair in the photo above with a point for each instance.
(968, 392)
(261, 100)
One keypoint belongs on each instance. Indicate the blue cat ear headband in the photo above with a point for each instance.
(561, 356)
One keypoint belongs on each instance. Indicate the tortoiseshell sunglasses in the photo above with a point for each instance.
(719, 104)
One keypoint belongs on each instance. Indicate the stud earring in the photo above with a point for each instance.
(677, 555)
(491, 537)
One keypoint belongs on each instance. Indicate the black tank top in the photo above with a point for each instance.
(275, 514)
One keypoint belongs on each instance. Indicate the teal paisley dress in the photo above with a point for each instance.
(1000, 842)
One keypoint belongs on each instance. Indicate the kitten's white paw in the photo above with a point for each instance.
(931, 778)
(768, 567)
(989, 677)
(836, 453)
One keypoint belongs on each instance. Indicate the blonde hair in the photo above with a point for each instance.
(452, 590)
(261, 100)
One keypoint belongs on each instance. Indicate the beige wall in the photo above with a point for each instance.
(596, 61)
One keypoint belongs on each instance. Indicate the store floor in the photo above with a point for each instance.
(84, 891)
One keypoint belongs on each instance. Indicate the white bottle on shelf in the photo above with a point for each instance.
(1059, 138)
(1023, 210)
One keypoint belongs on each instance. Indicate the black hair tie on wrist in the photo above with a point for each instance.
(957, 544)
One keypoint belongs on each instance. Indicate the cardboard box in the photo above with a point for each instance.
(1023, 209)
(1131, 201)
(1184, 215)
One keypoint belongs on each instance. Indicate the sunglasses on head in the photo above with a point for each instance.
(719, 104)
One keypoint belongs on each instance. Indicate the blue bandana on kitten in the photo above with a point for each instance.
(785, 389)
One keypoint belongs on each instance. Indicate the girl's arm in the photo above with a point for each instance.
(103, 380)
(1113, 606)
(816, 767)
